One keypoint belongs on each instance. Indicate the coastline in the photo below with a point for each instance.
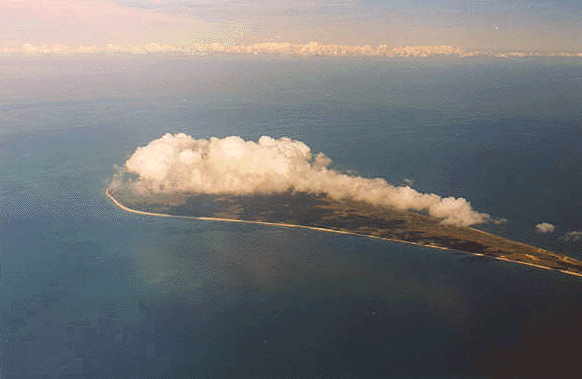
(500, 258)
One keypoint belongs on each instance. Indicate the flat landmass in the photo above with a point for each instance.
(347, 217)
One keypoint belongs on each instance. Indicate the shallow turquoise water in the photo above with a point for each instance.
(90, 291)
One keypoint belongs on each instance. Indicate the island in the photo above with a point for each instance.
(318, 212)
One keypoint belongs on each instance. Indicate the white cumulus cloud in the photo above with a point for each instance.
(545, 227)
(178, 163)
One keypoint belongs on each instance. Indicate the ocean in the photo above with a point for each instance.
(89, 291)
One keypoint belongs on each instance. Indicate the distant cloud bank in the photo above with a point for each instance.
(273, 48)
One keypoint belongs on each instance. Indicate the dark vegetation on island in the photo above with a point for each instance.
(315, 211)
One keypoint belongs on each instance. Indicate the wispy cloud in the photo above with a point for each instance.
(572, 236)
(523, 24)
(92, 21)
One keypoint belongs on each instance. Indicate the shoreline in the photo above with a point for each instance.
(328, 230)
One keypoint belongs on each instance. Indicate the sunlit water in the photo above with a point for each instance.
(90, 291)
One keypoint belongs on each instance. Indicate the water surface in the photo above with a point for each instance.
(90, 291)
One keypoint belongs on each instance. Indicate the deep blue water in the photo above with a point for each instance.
(89, 291)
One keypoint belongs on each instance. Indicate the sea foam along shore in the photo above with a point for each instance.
(145, 213)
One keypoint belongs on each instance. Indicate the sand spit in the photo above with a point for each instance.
(286, 225)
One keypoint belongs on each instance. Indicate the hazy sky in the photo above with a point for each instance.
(506, 24)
